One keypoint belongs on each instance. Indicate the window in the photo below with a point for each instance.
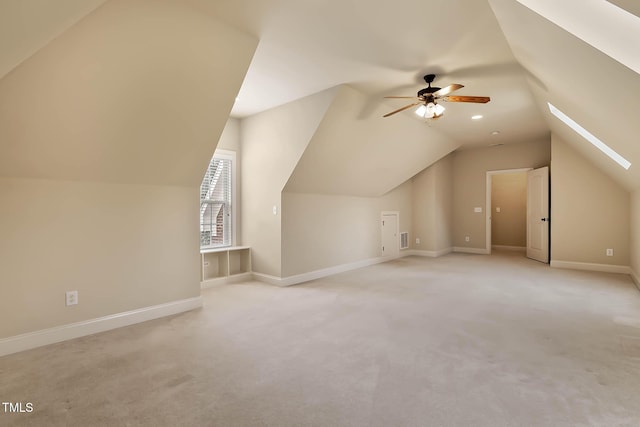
(216, 201)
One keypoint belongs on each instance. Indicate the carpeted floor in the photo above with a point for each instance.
(461, 340)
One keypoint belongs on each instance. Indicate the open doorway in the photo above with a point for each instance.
(518, 212)
(507, 210)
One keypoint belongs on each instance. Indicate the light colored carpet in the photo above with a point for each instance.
(462, 340)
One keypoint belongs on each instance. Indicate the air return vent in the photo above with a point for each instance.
(404, 240)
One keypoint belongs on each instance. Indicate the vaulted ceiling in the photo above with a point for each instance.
(134, 92)
(73, 57)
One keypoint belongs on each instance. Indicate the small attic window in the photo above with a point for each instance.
(590, 137)
(216, 202)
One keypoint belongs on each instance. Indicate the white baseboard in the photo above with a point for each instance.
(510, 248)
(605, 268)
(324, 272)
(268, 279)
(430, 254)
(481, 251)
(56, 334)
(219, 281)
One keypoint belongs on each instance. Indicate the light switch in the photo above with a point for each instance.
(498, 209)
(477, 209)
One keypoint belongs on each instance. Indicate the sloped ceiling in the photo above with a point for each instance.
(28, 25)
(365, 156)
(593, 89)
(136, 92)
(632, 6)
(385, 48)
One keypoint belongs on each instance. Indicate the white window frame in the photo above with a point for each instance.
(228, 155)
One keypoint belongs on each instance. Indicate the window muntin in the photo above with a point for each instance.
(216, 203)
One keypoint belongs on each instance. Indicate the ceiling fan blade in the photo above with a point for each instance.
(447, 90)
(402, 109)
(476, 99)
(402, 97)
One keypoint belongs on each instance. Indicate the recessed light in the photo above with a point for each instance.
(476, 117)
(495, 132)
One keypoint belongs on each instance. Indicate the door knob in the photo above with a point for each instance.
(543, 219)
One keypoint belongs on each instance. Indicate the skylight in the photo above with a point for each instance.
(605, 26)
(589, 137)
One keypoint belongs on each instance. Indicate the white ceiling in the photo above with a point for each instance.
(385, 49)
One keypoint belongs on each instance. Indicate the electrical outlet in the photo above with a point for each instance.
(71, 298)
(417, 240)
(609, 252)
(477, 209)
(467, 238)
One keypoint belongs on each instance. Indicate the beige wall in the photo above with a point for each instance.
(230, 138)
(589, 211)
(137, 92)
(509, 193)
(321, 231)
(272, 143)
(469, 183)
(635, 234)
(432, 206)
(122, 247)
(354, 141)
(105, 134)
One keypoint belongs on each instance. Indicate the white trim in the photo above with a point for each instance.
(268, 279)
(510, 248)
(70, 331)
(225, 280)
(222, 249)
(480, 251)
(606, 268)
(324, 272)
(488, 208)
(233, 156)
(431, 254)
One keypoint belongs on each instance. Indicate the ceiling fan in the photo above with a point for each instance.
(427, 99)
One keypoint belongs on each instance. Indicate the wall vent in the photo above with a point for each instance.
(404, 240)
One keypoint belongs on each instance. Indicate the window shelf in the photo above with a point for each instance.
(219, 265)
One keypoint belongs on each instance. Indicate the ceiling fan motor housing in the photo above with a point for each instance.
(428, 90)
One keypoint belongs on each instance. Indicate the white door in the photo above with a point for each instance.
(390, 238)
(538, 214)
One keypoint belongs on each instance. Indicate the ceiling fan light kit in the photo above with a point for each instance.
(430, 111)
(427, 99)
